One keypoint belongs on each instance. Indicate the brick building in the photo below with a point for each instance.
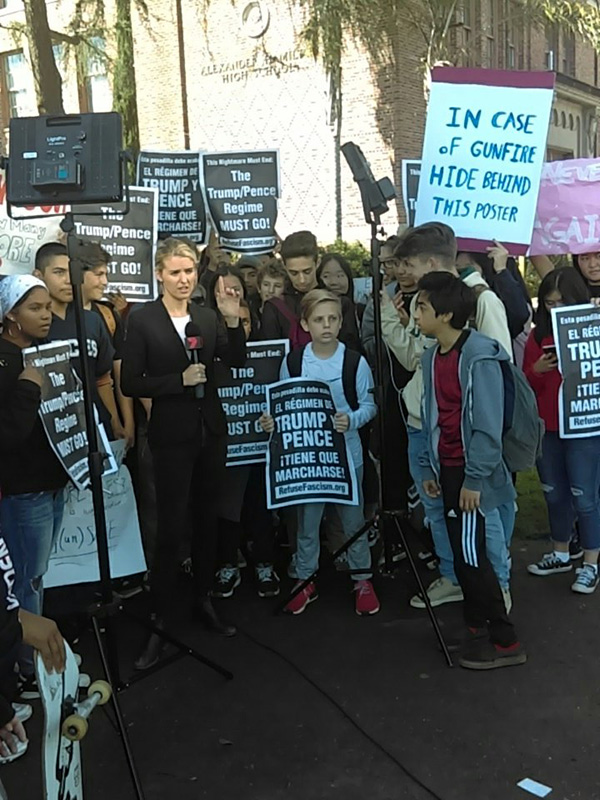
(225, 76)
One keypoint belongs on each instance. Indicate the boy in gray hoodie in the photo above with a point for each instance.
(462, 417)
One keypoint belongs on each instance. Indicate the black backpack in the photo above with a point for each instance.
(349, 370)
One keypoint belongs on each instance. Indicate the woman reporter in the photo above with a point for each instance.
(187, 435)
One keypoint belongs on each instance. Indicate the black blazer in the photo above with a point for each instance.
(154, 359)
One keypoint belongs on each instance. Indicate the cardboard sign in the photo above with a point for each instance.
(577, 337)
(484, 148)
(62, 410)
(242, 392)
(241, 192)
(567, 219)
(130, 239)
(181, 209)
(411, 174)
(22, 237)
(307, 461)
(74, 558)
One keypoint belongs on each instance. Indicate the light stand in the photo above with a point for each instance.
(374, 195)
(67, 167)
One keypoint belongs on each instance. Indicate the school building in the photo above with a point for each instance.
(225, 75)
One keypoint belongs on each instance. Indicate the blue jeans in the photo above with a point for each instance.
(569, 471)
(30, 524)
(308, 542)
(499, 523)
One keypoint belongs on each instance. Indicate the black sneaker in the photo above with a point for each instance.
(267, 580)
(485, 655)
(575, 549)
(227, 580)
(549, 565)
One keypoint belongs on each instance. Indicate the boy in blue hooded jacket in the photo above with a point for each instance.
(462, 415)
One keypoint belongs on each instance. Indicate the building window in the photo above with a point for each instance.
(489, 25)
(552, 47)
(514, 56)
(17, 88)
(568, 54)
(468, 22)
(95, 93)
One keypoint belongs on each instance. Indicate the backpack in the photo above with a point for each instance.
(349, 370)
(108, 317)
(298, 336)
(522, 430)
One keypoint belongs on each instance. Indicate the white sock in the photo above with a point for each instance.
(593, 566)
(564, 557)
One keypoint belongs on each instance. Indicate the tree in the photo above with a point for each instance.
(48, 83)
(124, 86)
(375, 24)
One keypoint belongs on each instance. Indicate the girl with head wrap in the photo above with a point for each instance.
(32, 478)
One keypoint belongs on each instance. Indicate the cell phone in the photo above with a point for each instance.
(549, 349)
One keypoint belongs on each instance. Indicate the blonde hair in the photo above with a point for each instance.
(174, 247)
(314, 298)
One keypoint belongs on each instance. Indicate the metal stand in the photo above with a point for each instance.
(110, 604)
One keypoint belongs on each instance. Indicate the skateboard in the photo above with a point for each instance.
(65, 724)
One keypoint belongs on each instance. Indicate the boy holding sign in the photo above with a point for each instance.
(323, 360)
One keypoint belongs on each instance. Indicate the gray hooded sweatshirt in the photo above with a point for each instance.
(482, 418)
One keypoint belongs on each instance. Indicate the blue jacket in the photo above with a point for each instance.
(482, 389)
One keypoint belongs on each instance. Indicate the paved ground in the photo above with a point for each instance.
(272, 732)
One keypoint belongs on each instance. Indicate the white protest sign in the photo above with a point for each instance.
(21, 238)
(483, 153)
(74, 557)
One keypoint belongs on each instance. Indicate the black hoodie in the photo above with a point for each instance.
(27, 462)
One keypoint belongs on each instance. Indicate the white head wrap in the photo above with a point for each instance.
(13, 288)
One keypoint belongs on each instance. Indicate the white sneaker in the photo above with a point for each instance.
(23, 711)
(439, 592)
(6, 756)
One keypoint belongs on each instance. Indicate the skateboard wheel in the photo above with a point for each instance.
(74, 728)
(103, 689)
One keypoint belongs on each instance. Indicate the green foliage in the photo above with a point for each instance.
(354, 252)
(124, 87)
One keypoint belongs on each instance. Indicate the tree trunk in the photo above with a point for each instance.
(124, 89)
(48, 83)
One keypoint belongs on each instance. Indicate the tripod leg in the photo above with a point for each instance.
(139, 792)
(428, 606)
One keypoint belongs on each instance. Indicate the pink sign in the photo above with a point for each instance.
(567, 219)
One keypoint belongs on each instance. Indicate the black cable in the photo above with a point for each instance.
(343, 711)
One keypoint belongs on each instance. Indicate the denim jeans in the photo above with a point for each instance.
(499, 523)
(30, 524)
(569, 471)
(308, 543)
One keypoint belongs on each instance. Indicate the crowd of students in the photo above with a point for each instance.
(450, 321)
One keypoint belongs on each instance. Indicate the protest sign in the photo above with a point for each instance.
(74, 558)
(411, 175)
(483, 152)
(241, 197)
(307, 460)
(577, 338)
(242, 391)
(62, 410)
(567, 219)
(130, 239)
(21, 237)
(181, 209)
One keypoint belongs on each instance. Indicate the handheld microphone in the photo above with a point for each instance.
(194, 344)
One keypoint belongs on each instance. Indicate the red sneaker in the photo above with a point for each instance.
(302, 599)
(367, 602)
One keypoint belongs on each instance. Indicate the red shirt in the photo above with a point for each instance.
(448, 395)
(545, 385)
